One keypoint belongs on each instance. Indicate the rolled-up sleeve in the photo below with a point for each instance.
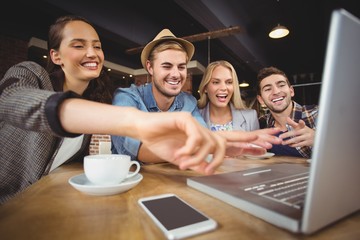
(52, 112)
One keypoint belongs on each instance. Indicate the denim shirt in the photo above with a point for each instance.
(142, 98)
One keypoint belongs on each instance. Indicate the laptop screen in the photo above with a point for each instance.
(334, 189)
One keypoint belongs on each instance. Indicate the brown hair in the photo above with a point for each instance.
(268, 71)
(99, 89)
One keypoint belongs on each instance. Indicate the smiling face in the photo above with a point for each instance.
(276, 93)
(169, 72)
(80, 54)
(220, 87)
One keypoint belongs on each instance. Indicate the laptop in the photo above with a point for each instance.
(328, 189)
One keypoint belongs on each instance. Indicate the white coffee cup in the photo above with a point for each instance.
(109, 169)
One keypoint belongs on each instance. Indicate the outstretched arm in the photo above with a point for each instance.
(175, 137)
(252, 142)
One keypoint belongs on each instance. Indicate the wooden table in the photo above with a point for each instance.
(53, 209)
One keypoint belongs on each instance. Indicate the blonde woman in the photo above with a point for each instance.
(220, 101)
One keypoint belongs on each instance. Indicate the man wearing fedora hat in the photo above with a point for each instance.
(165, 59)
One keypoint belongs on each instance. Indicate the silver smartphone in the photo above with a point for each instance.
(176, 218)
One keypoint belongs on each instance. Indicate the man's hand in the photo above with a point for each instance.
(300, 136)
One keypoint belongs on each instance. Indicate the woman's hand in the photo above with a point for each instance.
(253, 142)
(178, 138)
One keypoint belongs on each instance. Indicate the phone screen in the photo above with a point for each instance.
(173, 213)
(176, 218)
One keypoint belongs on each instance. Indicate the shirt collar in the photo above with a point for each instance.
(150, 102)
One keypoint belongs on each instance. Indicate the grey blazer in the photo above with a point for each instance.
(246, 120)
(30, 130)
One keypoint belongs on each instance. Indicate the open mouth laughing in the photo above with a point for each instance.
(278, 99)
(90, 65)
(222, 97)
(173, 82)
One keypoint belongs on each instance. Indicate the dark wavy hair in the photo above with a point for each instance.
(267, 71)
(99, 89)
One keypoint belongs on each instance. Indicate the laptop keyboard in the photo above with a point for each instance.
(289, 190)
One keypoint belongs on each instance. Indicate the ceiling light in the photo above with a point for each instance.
(244, 84)
(279, 32)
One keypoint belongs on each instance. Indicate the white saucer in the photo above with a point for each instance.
(264, 156)
(81, 183)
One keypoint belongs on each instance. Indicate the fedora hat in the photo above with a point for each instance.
(166, 35)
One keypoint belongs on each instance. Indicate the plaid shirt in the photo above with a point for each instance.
(307, 113)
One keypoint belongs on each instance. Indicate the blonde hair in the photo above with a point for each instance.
(235, 98)
(167, 45)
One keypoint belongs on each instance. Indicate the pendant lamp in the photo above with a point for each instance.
(244, 84)
(279, 32)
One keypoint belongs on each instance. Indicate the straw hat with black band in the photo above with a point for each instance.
(166, 35)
